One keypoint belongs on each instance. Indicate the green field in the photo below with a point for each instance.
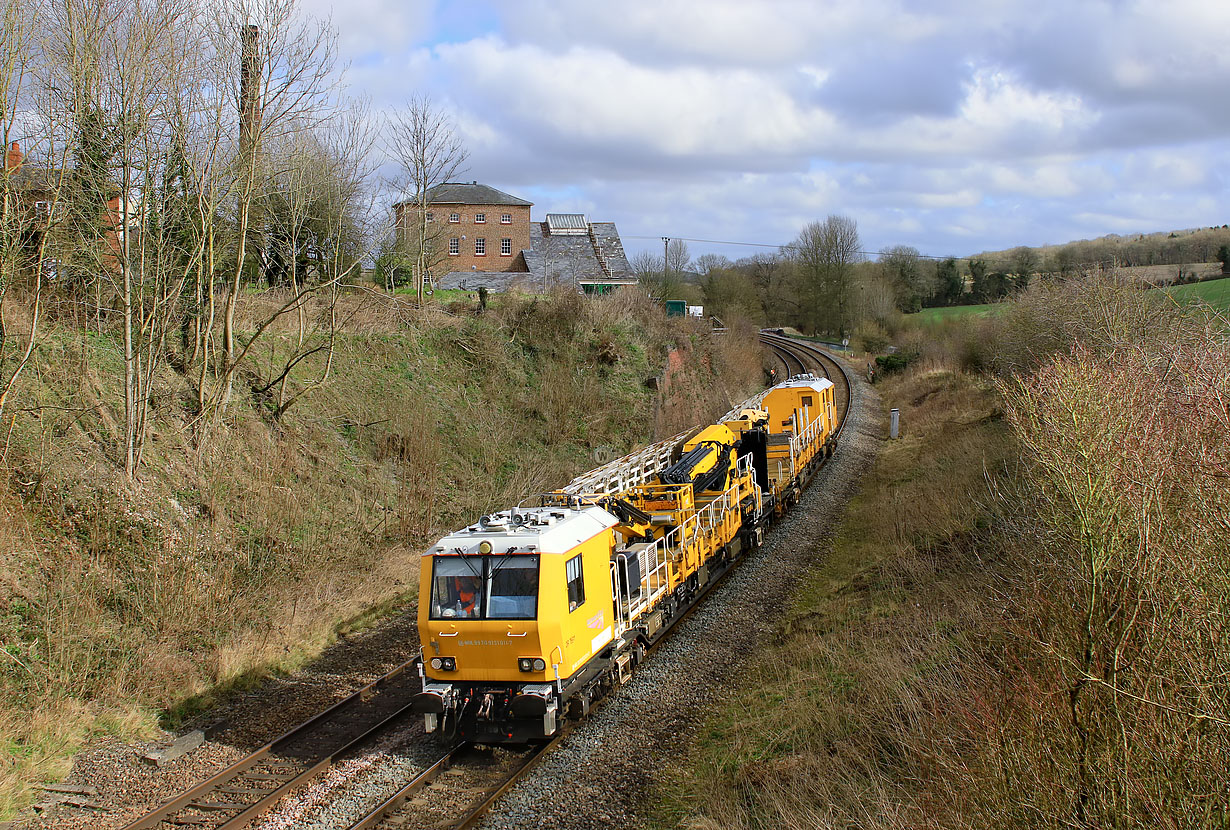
(1214, 292)
(934, 316)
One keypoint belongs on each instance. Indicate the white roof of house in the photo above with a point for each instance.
(533, 530)
(805, 381)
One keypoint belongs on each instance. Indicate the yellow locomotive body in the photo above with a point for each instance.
(802, 422)
(529, 615)
(511, 608)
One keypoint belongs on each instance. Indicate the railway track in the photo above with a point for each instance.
(457, 790)
(809, 356)
(243, 792)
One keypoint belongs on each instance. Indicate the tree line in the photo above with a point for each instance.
(163, 157)
(823, 283)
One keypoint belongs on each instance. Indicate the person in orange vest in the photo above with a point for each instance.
(467, 594)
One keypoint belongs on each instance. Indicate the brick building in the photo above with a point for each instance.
(483, 237)
(471, 227)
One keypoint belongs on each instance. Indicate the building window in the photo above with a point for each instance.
(454, 247)
(480, 246)
(431, 217)
(576, 583)
(505, 218)
(454, 217)
(506, 247)
(480, 217)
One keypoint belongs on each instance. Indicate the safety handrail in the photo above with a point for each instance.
(627, 472)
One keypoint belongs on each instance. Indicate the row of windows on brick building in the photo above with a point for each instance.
(480, 246)
(479, 218)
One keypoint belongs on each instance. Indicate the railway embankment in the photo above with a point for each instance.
(1020, 621)
(247, 544)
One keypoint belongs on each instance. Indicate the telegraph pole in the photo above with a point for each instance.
(666, 244)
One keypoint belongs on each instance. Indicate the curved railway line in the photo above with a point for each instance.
(455, 790)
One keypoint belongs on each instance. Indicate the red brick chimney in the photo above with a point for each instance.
(13, 160)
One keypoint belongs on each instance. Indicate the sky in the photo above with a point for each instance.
(952, 126)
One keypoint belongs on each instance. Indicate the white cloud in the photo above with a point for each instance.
(373, 26)
(601, 98)
(979, 125)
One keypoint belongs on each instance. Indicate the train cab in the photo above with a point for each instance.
(512, 611)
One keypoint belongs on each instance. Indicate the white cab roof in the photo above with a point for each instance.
(531, 530)
(805, 381)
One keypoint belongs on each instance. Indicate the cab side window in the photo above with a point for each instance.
(576, 582)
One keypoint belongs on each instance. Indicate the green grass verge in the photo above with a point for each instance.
(934, 316)
(1214, 292)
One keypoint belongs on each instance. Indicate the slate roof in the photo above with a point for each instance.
(606, 237)
(572, 257)
(468, 193)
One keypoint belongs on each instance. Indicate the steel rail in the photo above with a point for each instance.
(394, 802)
(781, 343)
(229, 779)
(529, 762)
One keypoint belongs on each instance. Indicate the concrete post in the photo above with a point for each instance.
(894, 420)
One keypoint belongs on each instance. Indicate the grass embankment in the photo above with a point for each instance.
(1022, 622)
(815, 734)
(244, 544)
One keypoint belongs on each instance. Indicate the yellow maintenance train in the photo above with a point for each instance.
(531, 614)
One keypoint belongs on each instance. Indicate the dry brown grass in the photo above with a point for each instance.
(1040, 646)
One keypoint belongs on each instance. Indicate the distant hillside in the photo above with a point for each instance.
(1180, 247)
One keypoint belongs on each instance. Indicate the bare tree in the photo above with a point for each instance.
(125, 73)
(288, 79)
(646, 266)
(17, 220)
(653, 276)
(706, 264)
(826, 253)
(423, 141)
(677, 258)
(323, 236)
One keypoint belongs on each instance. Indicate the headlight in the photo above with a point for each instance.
(444, 663)
(525, 663)
(437, 663)
(540, 664)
